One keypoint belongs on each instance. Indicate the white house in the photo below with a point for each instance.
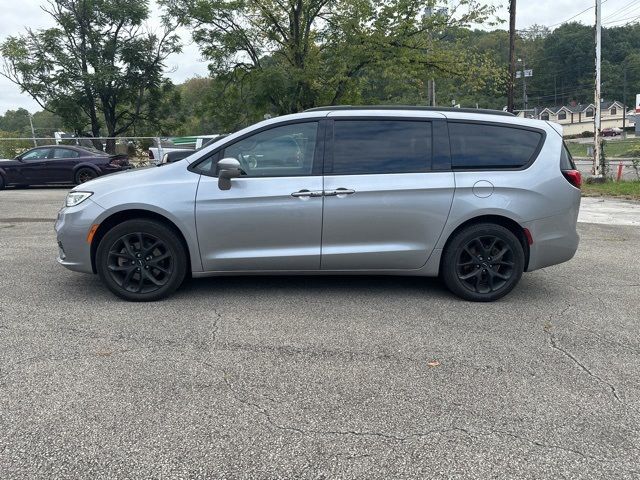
(578, 118)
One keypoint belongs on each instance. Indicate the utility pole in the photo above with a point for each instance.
(512, 54)
(33, 132)
(598, 167)
(431, 87)
(524, 86)
(624, 99)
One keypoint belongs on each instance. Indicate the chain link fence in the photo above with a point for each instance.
(142, 151)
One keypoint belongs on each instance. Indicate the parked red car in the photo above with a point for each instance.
(611, 132)
(59, 165)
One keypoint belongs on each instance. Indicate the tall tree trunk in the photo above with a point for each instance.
(110, 122)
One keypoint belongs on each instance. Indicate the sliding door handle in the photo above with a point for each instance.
(339, 192)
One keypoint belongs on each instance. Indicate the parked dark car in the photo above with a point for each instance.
(611, 132)
(59, 165)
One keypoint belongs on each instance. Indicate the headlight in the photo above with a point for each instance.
(76, 198)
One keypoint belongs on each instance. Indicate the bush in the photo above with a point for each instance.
(634, 151)
(12, 148)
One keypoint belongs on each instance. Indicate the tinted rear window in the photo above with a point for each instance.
(64, 153)
(476, 146)
(381, 146)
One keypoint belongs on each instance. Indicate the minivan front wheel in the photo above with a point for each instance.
(141, 260)
(483, 262)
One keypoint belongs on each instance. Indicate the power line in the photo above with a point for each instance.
(626, 21)
(620, 10)
(576, 15)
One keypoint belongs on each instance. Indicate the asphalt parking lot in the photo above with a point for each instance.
(302, 377)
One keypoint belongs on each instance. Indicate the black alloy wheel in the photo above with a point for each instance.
(483, 262)
(141, 260)
(84, 175)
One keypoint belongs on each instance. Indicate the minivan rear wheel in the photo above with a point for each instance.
(141, 260)
(483, 262)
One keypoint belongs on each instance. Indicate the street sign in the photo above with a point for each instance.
(527, 73)
(638, 103)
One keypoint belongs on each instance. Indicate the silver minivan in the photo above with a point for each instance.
(476, 197)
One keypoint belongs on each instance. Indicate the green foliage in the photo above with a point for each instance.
(97, 67)
(274, 57)
(12, 148)
(563, 63)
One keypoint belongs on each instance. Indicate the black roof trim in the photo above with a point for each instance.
(483, 111)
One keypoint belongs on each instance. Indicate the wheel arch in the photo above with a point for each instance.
(504, 221)
(135, 214)
(82, 165)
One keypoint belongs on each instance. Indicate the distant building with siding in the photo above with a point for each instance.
(577, 118)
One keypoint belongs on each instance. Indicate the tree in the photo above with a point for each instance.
(284, 56)
(98, 66)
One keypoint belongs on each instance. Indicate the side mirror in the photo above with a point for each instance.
(228, 168)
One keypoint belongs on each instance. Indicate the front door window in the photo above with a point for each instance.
(281, 151)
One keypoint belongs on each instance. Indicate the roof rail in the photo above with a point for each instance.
(484, 111)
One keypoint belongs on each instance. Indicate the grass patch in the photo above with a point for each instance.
(577, 149)
(628, 189)
(612, 148)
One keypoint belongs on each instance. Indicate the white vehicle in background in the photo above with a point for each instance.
(157, 153)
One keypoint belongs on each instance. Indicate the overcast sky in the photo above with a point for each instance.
(16, 15)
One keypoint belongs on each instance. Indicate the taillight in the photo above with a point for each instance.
(119, 162)
(573, 177)
(151, 155)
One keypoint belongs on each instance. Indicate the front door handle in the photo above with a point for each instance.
(307, 193)
(339, 192)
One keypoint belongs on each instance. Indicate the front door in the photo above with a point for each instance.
(34, 168)
(386, 198)
(271, 217)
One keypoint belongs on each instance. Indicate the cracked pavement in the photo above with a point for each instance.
(327, 377)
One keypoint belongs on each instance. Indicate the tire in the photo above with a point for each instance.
(84, 175)
(483, 262)
(2, 183)
(142, 274)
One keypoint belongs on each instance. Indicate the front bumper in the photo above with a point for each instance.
(72, 227)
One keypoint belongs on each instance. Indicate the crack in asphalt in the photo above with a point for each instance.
(555, 344)
(325, 353)
(473, 433)
(26, 220)
(629, 347)
(61, 358)
(215, 326)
